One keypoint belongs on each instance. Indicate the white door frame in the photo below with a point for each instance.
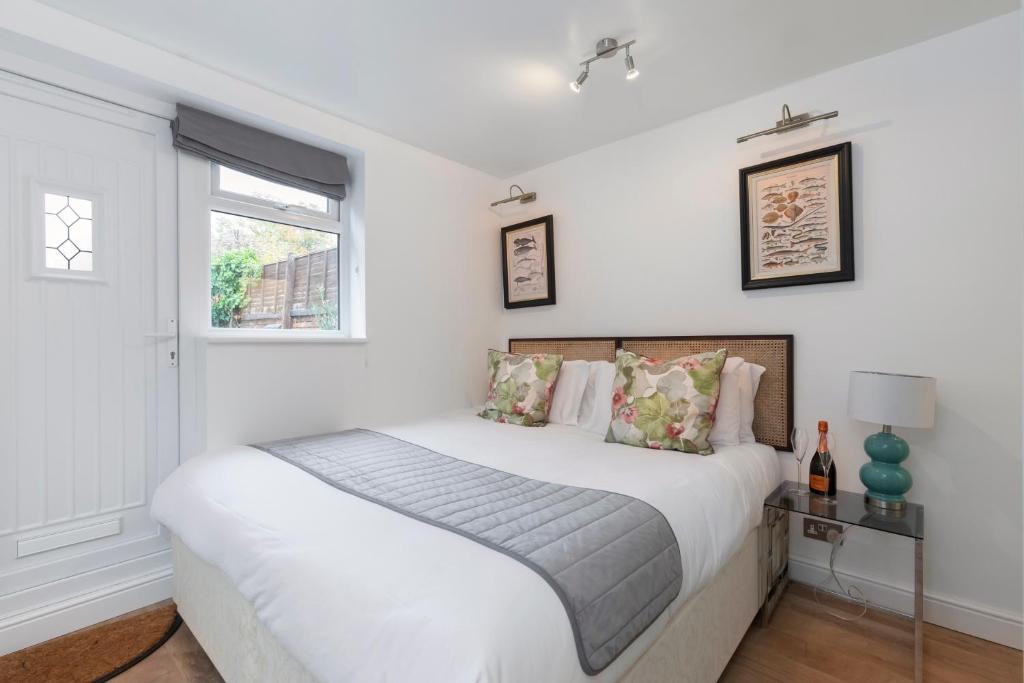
(74, 591)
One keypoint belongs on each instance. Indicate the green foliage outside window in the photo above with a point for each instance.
(230, 274)
(326, 312)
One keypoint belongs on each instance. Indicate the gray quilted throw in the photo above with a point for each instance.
(613, 560)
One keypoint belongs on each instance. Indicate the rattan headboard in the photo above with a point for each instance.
(773, 405)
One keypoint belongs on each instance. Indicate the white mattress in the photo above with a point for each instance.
(357, 592)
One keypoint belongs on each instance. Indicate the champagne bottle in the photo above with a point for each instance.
(821, 482)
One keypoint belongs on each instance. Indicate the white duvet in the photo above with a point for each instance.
(357, 592)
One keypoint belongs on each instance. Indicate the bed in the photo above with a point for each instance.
(282, 578)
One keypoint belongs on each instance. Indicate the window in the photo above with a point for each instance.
(273, 264)
(230, 183)
(68, 228)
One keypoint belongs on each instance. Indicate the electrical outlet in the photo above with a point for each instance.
(818, 530)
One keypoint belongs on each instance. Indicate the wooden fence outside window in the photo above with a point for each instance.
(299, 292)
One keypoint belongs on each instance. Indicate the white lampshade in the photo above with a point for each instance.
(888, 399)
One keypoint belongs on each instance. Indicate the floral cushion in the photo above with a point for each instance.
(666, 404)
(521, 387)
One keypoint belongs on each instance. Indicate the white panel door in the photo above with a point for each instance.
(88, 377)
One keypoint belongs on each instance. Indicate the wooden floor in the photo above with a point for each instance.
(801, 644)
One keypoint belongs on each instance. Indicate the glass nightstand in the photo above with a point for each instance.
(845, 508)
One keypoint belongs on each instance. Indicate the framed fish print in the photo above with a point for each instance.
(528, 263)
(796, 220)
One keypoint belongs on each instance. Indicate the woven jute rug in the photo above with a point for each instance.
(94, 654)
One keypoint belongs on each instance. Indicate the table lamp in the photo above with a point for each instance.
(889, 399)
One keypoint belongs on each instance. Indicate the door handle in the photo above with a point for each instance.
(170, 335)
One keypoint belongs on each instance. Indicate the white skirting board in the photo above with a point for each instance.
(39, 624)
(983, 622)
(49, 621)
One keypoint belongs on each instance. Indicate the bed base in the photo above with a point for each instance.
(694, 647)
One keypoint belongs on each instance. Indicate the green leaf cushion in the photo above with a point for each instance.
(669, 404)
(520, 387)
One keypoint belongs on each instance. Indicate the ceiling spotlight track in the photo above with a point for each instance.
(605, 49)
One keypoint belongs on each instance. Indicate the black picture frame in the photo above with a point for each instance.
(548, 258)
(845, 273)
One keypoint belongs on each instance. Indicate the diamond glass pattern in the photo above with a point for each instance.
(68, 225)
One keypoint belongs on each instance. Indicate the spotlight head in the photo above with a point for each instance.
(631, 71)
(575, 85)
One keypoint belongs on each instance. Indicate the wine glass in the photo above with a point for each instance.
(800, 441)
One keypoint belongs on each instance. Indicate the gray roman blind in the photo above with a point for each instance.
(260, 153)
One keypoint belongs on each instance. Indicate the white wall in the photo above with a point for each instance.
(429, 245)
(647, 242)
(426, 235)
(432, 303)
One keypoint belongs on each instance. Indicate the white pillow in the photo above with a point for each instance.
(568, 395)
(596, 408)
(749, 382)
(726, 430)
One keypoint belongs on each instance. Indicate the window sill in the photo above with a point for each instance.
(280, 337)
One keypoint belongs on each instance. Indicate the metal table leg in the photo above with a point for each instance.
(774, 560)
(918, 610)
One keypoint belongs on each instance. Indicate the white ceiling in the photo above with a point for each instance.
(486, 83)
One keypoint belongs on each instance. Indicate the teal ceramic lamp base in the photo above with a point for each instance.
(885, 480)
